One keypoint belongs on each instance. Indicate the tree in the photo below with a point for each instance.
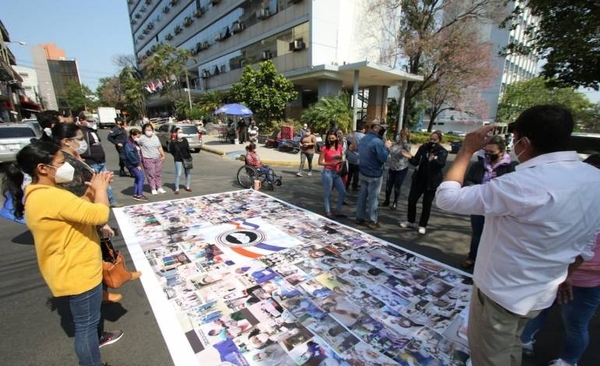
(134, 97)
(431, 32)
(110, 92)
(567, 36)
(522, 95)
(264, 91)
(77, 97)
(166, 66)
(329, 112)
(210, 102)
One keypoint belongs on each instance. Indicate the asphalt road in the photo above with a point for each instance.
(30, 321)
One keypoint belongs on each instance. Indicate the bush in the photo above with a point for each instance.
(423, 137)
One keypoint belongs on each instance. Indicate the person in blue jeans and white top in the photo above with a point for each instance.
(180, 149)
(132, 159)
(331, 158)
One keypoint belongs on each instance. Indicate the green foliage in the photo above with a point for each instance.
(329, 112)
(78, 97)
(567, 36)
(265, 92)
(210, 102)
(132, 87)
(167, 63)
(423, 137)
(522, 95)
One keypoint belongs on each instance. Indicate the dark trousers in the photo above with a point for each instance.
(477, 222)
(394, 181)
(121, 162)
(352, 176)
(418, 189)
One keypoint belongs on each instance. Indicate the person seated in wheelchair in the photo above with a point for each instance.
(253, 160)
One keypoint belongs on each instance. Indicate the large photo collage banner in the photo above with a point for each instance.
(241, 278)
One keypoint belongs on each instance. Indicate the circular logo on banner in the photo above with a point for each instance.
(241, 238)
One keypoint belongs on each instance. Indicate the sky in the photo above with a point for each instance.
(91, 32)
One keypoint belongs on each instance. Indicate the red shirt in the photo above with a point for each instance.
(252, 159)
(329, 154)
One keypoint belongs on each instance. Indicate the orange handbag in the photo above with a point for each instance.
(114, 273)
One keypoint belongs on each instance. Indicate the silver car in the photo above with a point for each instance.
(15, 136)
(166, 134)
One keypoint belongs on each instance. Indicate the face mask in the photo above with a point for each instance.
(64, 173)
(148, 133)
(82, 146)
(433, 144)
(522, 151)
(93, 125)
(179, 135)
(492, 157)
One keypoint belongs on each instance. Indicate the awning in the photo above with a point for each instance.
(28, 104)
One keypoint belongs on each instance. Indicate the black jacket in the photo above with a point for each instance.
(429, 172)
(476, 171)
(117, 135)
(95, 152)
(180, 149)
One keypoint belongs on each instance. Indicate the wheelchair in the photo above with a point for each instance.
(247, 174)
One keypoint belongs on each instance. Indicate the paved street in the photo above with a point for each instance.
(31, 326)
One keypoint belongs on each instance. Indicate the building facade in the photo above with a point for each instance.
(322, 46)
(55, 72)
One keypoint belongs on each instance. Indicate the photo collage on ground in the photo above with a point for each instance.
(256, 281)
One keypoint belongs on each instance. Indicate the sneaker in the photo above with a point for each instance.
(160, 190)
(374, 225)
(359, 222)
(309, 174)
(154, 192)
(109, 338)
(406, 224)
(527, 348)
(176, 191)
(422, 230)
(188, 189)
(560, 362)
(116, 205)
(298, 174)
(137, 198)
(142, 197)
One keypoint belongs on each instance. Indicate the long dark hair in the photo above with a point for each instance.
(62, 131)
(328, 144)
(28, 158)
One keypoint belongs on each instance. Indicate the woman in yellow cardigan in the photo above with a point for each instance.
(66, 241)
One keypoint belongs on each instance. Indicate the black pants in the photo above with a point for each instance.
(394, 181)
(477, 223)
(352, 176)
(418, 189)
(121, 162)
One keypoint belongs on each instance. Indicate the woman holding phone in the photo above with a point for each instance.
(331, 159)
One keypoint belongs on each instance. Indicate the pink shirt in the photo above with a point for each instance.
(329, 154)
(581, 278)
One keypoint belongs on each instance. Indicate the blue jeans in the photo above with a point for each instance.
(329, 179)
(366, 206)
(85, 309)
(102, 168)
(188, 176)
(138, 181)
(268, 172)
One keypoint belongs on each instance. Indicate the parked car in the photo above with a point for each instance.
(193, 133)
(15, 136)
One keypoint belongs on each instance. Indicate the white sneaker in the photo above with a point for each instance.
(154, 192)
(527, 348)
(298, 174)
(406, 224)
(422, 230)
(309, 174)
(560, 362)
(160, 190)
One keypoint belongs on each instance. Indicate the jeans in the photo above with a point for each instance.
(417, 190)
(268, 172)
(153, 169)
(329, 179)
(366, 206)
(188, 175)
(101, 167)
(352, 176)
(138, 181)
(303, 157)
(85, 309)
(477, 222)
(394, 181)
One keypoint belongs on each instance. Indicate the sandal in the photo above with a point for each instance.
(468, 263)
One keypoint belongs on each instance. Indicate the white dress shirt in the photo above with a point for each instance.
(537, 221)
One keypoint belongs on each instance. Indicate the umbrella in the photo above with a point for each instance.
(234, 109)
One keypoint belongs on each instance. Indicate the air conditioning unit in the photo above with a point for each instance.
(166, 9)
(263, 13)
(199, 12)
(223, 69)
(237, 27)
(297, 45)
(205, 74)
(266, 55)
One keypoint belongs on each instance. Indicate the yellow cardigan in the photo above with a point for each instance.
(66, 241)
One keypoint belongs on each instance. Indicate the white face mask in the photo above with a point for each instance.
(517, 156)
(179, 135)
(83, 146)
(93, 125)
(148, 133)
(64, 173)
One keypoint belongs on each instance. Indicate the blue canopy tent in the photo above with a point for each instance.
(235, 109)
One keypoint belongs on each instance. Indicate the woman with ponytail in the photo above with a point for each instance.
(66, 241)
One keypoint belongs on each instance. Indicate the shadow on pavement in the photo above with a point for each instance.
(25, 238)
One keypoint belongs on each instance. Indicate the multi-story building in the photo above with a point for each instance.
(322, 46)
(10, 82)
(55, 72)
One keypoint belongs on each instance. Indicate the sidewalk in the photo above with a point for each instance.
(268, 156)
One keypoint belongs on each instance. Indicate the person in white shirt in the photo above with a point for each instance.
(540, 223)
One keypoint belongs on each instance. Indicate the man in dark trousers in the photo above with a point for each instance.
(118, 136)
(94, 156)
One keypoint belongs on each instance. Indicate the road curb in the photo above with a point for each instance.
(224, 154)
(213, 151)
